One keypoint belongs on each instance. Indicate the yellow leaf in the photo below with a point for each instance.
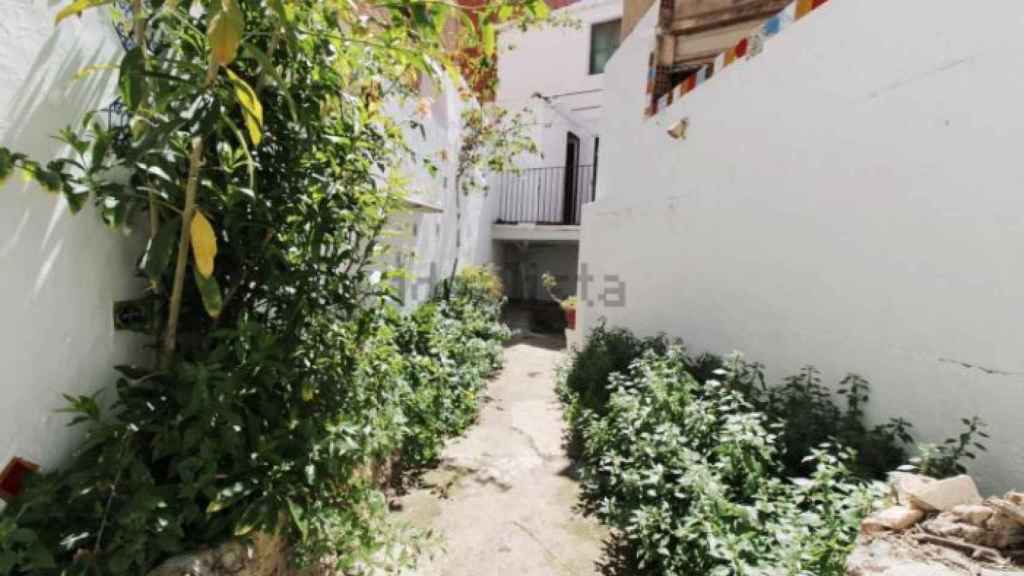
(204, 244)
(225, 32)
(252, 109)
(77, 7)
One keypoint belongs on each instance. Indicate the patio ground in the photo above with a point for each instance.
(503, 499)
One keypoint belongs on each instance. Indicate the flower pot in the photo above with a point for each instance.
(570, 318)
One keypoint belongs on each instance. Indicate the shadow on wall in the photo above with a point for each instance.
(61, 273)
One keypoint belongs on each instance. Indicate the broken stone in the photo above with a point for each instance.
(903, 483)
(972, 514)
(1003, 532)
(944, 495)
(893, 518)
(949, 525)
(1015, 497)
(903, 556)
(1008, 508)
(998, 531)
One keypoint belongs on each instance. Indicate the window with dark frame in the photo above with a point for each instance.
(604, 40)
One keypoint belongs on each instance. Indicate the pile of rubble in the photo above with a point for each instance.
(940, 528)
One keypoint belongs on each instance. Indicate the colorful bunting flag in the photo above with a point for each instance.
(746, 48)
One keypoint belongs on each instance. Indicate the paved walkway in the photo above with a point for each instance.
(502, 500)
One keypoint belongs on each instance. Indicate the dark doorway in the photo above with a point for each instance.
(572, 165)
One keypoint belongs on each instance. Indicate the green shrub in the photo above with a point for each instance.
(704, 469)
(223, 447)
(583, 385)
(689, 472)
(451, 345)
(946, 459)
(810, 416)
(252, 155)
(805, 409)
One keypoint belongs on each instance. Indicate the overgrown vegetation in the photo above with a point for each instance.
(259, 155)
(706, 470)
(220, 449)
(450, 346)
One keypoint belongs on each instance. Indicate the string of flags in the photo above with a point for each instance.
(745, 49)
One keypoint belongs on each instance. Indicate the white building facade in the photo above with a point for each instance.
(557, 74)
(423, 239)
(845, 194)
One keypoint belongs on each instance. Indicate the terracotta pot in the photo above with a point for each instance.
(570, 318)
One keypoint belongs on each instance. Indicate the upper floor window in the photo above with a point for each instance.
(604, 40)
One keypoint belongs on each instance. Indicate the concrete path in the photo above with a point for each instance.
(502, 500)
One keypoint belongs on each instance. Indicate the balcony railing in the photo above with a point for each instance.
(544, 195)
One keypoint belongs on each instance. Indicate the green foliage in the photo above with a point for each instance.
(550, 283)
(231, 445)
(283, 372)
(946, 459)
(451, 345)
(689, 472)
(584, 385)
(492, 139)
(811, 416)
(706, 470)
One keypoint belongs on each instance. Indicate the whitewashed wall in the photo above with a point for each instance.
(424, 243)
(851, 198)
(555, 63)
(59, 274)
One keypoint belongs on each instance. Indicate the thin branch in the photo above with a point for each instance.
(171, 334)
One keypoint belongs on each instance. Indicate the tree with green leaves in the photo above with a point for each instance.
(258, 155)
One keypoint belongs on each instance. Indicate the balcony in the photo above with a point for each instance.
(544, 196)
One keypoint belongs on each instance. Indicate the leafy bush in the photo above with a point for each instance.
(706, 470)
(810, 416)
(946, 459)
(451, 345)
(583, 386)
(255, 146)
(690, 474)
(805, 409)
(215, 450)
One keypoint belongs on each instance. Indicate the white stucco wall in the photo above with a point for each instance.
(424, 243)
(624, 100)
(849, 199)
(59, 274)
(555, 61)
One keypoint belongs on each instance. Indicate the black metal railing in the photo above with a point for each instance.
(544, 195)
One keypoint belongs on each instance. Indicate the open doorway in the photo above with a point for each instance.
(571, 192)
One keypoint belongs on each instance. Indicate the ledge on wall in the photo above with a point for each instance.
(536, 232)
(413, 204)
